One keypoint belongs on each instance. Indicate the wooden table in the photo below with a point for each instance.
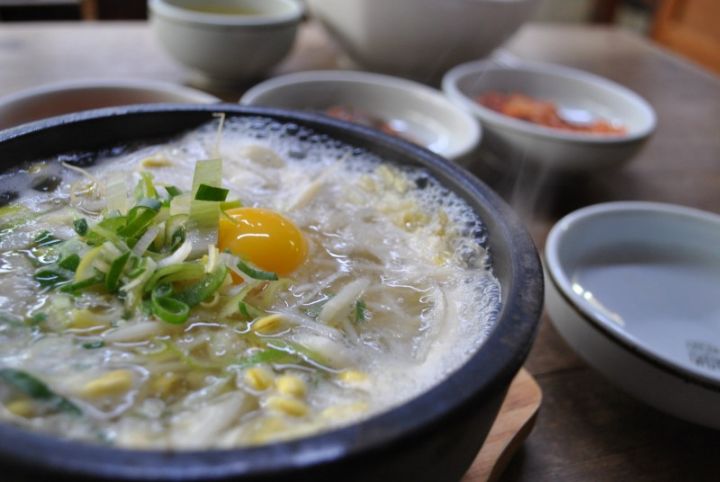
(587, 429)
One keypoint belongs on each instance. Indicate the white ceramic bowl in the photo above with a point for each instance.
(73, 96)
(422, 114)
(515, 141)
(420, 39)
(226, 48)
(633, 288)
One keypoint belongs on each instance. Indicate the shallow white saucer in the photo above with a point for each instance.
(634, 288)
(77, 95)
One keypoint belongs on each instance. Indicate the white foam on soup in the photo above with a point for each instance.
(415, 248)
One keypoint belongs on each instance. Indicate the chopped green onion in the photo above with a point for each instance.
(145, 188)
(211, 193)
(70, 262)
(186, 274)
(284, 352)
(34, 388)
(202, 290)
(38, 318)
(93, 345)
(159, 242)
(137, 270)
(45, 239)
(207, 172)
(132, 291)
(249, 311)
(269, 355)
(150, 190)
(175, 272)
(255, 273)
(105, 230)
(167, 308)
(144, 243)
(81, 226)
(177, 238)
(50, 278)
(205, 214)
(146, 307)
(162, 290)
(78, 286)
(86, 268)
(112, 280)
(140, 217)
(360, 311)
(232, 305)
(236, 203)
(173, 191)
(175, 230)
(25, 383)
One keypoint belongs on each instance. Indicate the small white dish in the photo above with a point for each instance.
(419, 113)
(77, 95)
(515, 140)
(227, 41)
(633, 288)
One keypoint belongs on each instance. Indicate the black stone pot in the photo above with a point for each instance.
(432, 438)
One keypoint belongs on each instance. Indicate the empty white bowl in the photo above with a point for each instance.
(227, 41)
(516, 141)
(421, 114)
(420, 39)
(73, 96)
(633, 288)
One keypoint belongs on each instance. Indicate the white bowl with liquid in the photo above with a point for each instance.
(227, 41)
(418, 113)
(634, 288)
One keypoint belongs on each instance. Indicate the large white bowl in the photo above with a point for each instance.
(420, 39)
(76, 95)
(422, 113)
(516, 141)
(633, 288)
(226, 48)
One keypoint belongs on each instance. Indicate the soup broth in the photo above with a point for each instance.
(234, 286)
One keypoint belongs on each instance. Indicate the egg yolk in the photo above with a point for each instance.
(263, 237)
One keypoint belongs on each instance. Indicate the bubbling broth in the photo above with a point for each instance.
(234, 286)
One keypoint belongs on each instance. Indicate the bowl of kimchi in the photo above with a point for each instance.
(551, 116)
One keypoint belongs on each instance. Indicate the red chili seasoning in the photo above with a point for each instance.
(542, 112)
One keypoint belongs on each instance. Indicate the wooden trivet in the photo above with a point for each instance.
(512, 426)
